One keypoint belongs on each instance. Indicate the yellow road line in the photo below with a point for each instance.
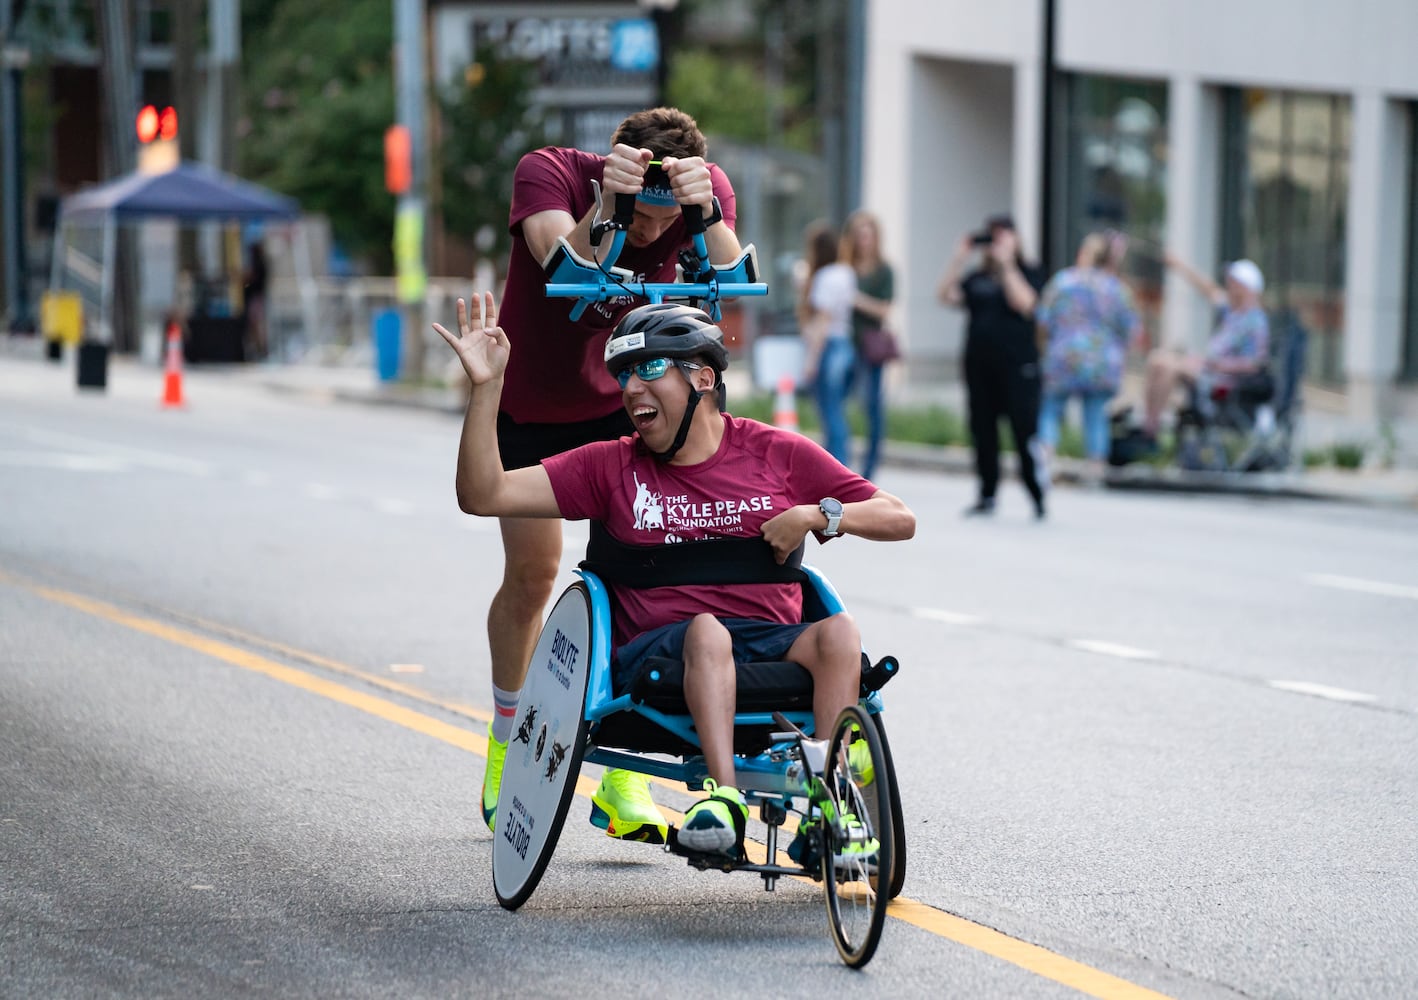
(1032, 958)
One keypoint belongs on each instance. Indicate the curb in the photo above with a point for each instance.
(959, 460)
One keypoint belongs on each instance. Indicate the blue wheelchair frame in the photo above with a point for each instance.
(766, 770)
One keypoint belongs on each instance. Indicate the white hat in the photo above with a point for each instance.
(1247, 274)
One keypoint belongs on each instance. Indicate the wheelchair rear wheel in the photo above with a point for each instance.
(544, 754)
(857, 835)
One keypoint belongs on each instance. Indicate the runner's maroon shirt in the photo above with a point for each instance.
(757, 473)
(556, 373)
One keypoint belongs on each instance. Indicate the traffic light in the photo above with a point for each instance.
(157, 138)
(398, 159)
(154, 124)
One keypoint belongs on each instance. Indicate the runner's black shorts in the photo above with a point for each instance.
(524, 445)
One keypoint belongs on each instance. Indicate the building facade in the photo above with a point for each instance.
(1216, 129)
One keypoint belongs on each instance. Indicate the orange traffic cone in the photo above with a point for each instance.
(785, 407)
(172, 378)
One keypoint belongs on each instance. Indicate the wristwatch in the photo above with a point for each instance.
(715, 216)
(832, 510)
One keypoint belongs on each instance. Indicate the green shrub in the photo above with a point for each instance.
(1348, 454)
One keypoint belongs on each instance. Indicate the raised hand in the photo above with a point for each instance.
(483, 348)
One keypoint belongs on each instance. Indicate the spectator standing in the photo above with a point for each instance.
(876, 287)
(1001, 351)
(1239, 346)
(1087, 317)
(825, 317)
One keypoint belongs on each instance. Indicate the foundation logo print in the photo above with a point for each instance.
(649, 508)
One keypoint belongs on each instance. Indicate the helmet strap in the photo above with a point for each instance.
(683, 433)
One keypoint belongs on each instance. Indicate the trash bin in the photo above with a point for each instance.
(387, 331)
(93, 365)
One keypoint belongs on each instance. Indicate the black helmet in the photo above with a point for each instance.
(665, 330)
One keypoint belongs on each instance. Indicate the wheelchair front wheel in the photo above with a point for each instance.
(898, 821)
(544, 754)
(858, 836)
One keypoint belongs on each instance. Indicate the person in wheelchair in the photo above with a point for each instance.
(691, 474)
(1239, 347)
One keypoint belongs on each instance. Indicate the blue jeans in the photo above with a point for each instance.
(1096, 433)
(834, 382)
(874, 406)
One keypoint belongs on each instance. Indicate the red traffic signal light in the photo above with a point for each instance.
(147, 123)
(153, 124)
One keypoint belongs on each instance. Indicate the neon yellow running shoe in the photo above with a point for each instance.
(859, 760)
(492, 778)
(715, 825)
(623, 808)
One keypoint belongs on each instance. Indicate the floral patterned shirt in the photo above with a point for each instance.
(1088, 315)
(1240, 334)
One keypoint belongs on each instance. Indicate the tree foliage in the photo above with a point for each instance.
(488, 123)
(318, 95)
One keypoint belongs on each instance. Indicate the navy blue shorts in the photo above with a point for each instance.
(753, 642)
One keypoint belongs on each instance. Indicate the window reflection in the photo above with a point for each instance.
(1114, 176)
(1284, 205)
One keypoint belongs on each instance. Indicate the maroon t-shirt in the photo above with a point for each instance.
(757, 473)
(556, 373)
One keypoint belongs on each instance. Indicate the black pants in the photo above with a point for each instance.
(1002, 387)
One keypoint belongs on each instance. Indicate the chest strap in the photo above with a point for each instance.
(710, 561)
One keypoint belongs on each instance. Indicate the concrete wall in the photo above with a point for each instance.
(1290, 44)
(953, 131)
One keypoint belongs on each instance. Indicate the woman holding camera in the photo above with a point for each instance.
(1001, 351)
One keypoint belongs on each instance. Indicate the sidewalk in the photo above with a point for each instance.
(1397, 487)
(21, 358)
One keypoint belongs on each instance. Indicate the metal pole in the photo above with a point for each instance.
(853, 112)
(410, 100)
(1047, 255)
(12, 174)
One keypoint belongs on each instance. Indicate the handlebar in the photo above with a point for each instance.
(700, 283)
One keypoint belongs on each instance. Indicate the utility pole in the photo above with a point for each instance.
(118, 71)
(1047, 255)
(409, 220)
(12, 173)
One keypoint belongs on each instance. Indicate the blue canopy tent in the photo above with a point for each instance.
(190, 192)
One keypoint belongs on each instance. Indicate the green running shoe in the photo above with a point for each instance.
(859, 760)
(715, 825)
(623, 808)
(492, 778)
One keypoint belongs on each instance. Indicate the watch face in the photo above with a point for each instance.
(831, 507)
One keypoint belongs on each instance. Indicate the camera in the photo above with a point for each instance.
(982, 239)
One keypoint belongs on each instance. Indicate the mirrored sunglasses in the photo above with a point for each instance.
(651, 369)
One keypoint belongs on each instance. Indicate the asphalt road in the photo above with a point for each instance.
(1159, 744)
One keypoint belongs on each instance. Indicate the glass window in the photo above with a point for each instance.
(1285, 190)
(1114, 176)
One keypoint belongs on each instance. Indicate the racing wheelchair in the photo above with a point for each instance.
(837, 791)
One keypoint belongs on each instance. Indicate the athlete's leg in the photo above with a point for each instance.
(830, 650)
(710, 691)
(531, 550)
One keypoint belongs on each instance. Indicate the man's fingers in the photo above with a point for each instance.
(489, 311)
(452, 340)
